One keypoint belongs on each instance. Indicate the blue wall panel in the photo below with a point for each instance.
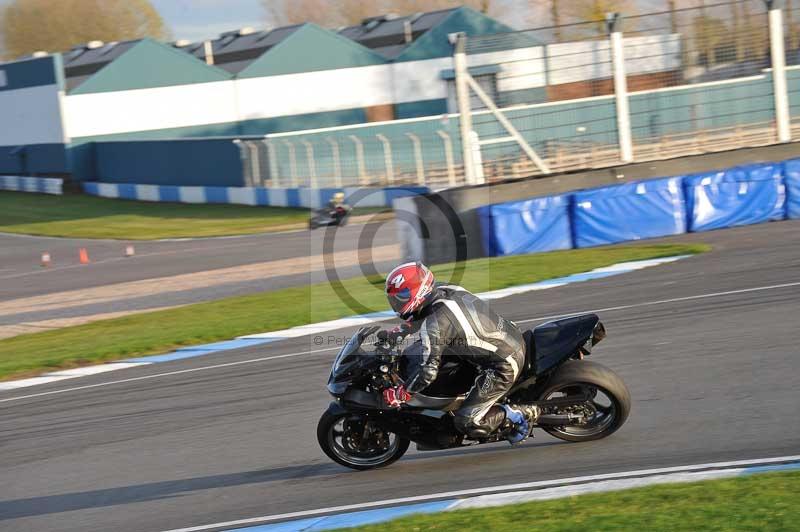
(34, 159)
(792, 180)
(187, 162)
(534, 225)
(739, 196)
(632, 211)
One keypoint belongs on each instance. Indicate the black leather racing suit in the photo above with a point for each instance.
(459, 324)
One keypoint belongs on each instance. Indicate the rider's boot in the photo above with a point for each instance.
(521, 418)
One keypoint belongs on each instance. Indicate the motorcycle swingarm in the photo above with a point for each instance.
(562, 402)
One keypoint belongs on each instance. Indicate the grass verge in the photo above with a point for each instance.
(160, 331)
(81, 216)
(757, 502)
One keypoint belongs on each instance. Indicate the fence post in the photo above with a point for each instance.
(337, 164)
(418, 158)
(477, 158)
(464, 107)
(244, 155)
(362, 172)
(273, 163)
(614, 25)
(448, 157)
(312, 166)
(387, 158)
(292, 163)
(779, 89)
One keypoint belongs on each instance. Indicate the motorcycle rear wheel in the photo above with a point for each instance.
(352, 440)
(610, 404)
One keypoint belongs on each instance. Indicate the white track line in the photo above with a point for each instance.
(665, 301)
(288, 355)
(178, 372)
(492, 489)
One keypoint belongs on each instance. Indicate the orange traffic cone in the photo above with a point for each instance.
(45, 259)
(83, 256)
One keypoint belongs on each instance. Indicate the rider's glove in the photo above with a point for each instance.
(394, 397)
(398, 333)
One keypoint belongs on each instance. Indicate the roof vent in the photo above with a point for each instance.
(181, 43)
(247, 30)
(93, 45)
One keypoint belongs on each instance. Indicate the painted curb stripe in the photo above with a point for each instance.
(326, 326)
(366, 517)
(494, 495)
(67, 374)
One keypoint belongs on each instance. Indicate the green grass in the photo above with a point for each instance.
(160, 331)
(753, 503)
(81, 216)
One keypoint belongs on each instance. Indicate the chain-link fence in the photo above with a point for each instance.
(423, 151)
(792, 40)
(695, 80)
(592, 94)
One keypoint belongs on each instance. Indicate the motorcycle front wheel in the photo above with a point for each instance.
(354, 441)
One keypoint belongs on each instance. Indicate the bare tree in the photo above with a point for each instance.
(593, 14)
(556, 16)
(31, 25)
(709, 34)
(335, 13)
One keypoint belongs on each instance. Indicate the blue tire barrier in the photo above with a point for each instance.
(742, 195)
(274, 197)
(41, 185)
(632, 211)
(792, 174)
(530, 226)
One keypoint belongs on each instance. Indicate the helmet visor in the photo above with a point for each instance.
(399, 299)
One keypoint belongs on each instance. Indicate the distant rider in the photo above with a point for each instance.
(337, 200)
(455, 323)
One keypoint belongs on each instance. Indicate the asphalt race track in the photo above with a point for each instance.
(21, 274)
(707, 345)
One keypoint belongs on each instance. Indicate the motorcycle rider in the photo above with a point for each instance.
(453, 322)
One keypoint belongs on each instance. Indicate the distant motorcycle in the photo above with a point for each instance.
(328, 216)
(579, 400)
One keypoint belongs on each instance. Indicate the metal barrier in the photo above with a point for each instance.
(578, 96)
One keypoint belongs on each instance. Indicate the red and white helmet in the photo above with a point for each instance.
(408, 288)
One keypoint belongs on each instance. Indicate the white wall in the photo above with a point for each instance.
(314, 92)
(333, 90)
(106, 113)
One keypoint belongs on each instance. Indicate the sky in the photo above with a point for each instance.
(203, 19)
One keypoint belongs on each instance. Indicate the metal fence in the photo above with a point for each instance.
(594, 94)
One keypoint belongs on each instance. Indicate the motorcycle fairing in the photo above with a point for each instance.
(552, 342)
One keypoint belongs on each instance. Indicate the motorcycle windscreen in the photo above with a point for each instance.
(345, 363)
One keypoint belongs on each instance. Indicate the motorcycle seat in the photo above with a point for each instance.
(550, 342)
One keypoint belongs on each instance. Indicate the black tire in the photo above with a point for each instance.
(325, 428)
(583, 372)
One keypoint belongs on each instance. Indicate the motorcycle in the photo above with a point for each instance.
(579, 400)
(328, 216)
